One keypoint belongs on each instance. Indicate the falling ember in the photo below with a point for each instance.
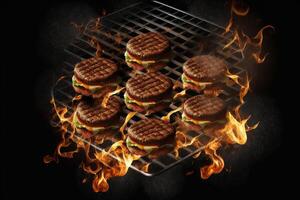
(217, 164)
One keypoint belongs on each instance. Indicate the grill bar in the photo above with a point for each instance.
(185, 32)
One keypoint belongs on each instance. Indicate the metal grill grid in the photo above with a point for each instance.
(186, 33)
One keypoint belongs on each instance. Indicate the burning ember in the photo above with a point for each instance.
(115, 160)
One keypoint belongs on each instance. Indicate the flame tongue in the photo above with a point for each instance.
(108, 95)
(217, 161)
(128, 117)
(115, 162)
(166, 118)
(241, 39)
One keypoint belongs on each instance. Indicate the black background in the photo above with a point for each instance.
(28, 136)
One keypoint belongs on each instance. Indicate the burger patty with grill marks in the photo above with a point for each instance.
(148, 135)
(202, 110)
(91, 118)
(95, 77)
(150, 51)
(203, 71)
(148, 93)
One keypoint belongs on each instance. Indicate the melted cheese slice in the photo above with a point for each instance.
(128, 99)
(145, 63)
(200, 122)
(201, 85)
(147, 148)
(92, 88)
(89, 128)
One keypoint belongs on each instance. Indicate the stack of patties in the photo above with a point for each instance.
(95, 76)
(200, 111)
(150, 136)
(149, 51)
(91, 118)
(203, 71)
(148, 93)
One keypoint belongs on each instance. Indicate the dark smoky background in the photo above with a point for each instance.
(39, 32)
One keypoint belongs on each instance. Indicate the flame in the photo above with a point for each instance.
(182, 141)
(77, 98)
(217, 164)
(180, 94)
(109, 94)
(241, 39)
(101, 164)
(115, 162)
(234, 9)
(65, 123)
(145, 167)
(258, 57)
(128, 117)
(95, 44)
(177, 84)
(166, 118)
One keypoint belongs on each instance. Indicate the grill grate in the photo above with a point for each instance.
(188, 35)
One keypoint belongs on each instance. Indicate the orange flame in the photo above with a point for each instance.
(65, 123)
(259, 38)
(234, 9)
(109, 94)
(115, 161)
(166, 118)
(102, 164)
(217, 164)
(182, 141)
(241, 39)
(95, 44)
(127, 119)
(179, 94)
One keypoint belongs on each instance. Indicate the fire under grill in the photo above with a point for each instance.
(188, 35)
